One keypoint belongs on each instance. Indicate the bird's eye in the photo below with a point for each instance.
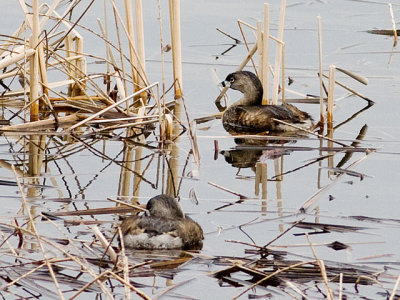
(232, 80)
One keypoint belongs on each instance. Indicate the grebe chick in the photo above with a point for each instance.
(163, 226)
(247, 115)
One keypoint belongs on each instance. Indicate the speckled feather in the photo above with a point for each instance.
(259, 118)
(147, 232)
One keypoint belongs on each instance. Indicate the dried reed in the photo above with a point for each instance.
(265, 57)
(278, 53)
(393, 25)
(321, 88)
(331, 95)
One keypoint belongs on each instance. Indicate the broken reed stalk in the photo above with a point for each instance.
(278, 53)
(273, 274)
(227, 190)
(393, 25)
(4, 288)
(140, 45)
(105, 35)
(175, 24)
(261, 177)
(13, 58)
(170, 288)
(125, 263)
(260, 50)
(81, 262)
(245, 42)
(34, 63)
(351, 90)
(34, 164)
(132, 48)
(138, 158)
(121, 86)
(107, 246)
(331, 95)
(128, 204)
(396, 285)
(357, 77)
(283, 73)
(322, 269)
(340, 297)
(131, 34)
(36, 234)
(321, 83)
(111, 107)
(265, 56)
(43, 71)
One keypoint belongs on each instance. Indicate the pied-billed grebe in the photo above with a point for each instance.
(247, 115)
(163, 226)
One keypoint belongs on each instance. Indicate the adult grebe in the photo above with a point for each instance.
(163, 226)
(247, 115)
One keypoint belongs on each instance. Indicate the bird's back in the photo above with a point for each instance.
(260, 118)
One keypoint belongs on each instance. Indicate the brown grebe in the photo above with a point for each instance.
(163, 226)
(247, 115)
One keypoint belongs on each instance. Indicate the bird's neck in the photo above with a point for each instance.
(252, 96)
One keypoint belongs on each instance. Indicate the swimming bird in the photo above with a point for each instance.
(247, 115)
(163, 226)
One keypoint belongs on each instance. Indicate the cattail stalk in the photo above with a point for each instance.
(260, 50)
(131, 33)
(321, 85)
(175, 23)
(331, 94)
(278, 55)
(265, 57)
(34, 63)
(393, 24)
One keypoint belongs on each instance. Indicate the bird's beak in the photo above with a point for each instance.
(225, 84)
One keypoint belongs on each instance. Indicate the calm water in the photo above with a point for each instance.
(88, 180)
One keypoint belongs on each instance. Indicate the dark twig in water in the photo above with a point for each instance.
(283, 233)
(237, 41)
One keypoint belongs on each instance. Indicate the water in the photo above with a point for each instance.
(86, 180)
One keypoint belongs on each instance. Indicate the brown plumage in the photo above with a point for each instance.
(164, 226)
(247, 115)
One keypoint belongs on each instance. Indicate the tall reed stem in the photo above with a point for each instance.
(278, 53)
(265, 56)
(175, 22)
(321, 85)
